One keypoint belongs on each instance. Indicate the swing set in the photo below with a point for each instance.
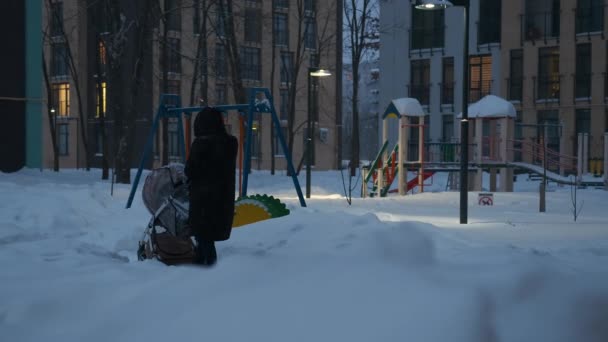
(170, 107)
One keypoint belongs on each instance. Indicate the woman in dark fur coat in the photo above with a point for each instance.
(210, 168)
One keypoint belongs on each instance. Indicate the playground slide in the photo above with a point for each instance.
(412, 183)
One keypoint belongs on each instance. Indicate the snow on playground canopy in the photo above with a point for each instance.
(491, 106)
(405, 106)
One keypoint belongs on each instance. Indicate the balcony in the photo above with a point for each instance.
(426, 38)
(478, 89)
(589, 20)
(515, 87)
(488, 32)
(540, 26)
(546, 88)
(582, 86)
(421, 92)
(447, 94)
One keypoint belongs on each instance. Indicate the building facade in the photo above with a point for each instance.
(548, 57)
(554, 70)
(188, 57)
(424, 53)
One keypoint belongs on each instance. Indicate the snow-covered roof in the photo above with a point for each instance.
(405, 106)
(491, 106)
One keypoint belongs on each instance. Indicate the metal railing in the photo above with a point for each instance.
(488, 31)
(547, 87)
(540, 26)
(582, 85)
(515, 88)
(535, 153)
(421, 92)
(447, 93)
(427, 38)
(589, 19)
(438, 152)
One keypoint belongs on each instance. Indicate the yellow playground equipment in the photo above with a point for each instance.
(255, 208)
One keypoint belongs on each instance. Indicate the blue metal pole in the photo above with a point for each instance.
(292, 171)
(248, 138)
(147, 149)
(182, 138)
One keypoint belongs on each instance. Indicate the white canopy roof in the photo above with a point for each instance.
(491, 106)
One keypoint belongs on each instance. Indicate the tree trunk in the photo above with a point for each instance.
(273, 63)
(127, 66)
(354, 164)
(105, 165)
(165, 86)
(75, 79)
(226, 10)
(49, 106)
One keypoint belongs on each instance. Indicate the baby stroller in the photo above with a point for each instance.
(167, 236)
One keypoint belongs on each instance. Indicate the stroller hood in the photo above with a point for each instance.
(165, 194)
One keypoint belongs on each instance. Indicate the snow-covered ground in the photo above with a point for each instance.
(390, 269)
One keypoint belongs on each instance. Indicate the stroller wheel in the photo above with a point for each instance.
(141, 251)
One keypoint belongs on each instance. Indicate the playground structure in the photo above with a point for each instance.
(493, 149)
(248, 209)
(387, 166)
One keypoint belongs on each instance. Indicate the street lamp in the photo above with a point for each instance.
(464, 122)
(312, 72)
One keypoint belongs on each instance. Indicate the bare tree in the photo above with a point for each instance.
(49, 110)
(63, 37)
(201, 60)
(130, 24)
(361, 27)
(105, 165)
(323, 39)
(227, 12)
(49, 104)
(576, 208)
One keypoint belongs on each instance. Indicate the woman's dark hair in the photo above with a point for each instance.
(209, 121)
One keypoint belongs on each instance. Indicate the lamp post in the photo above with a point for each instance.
(464, 122)
(312, 73)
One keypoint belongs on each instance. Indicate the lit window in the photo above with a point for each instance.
(61, 99)
(103, 100)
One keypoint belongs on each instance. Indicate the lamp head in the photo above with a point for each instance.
(319, 72)
(433, 4)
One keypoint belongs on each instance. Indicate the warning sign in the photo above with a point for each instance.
(485, 198)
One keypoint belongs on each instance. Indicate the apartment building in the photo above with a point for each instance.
(423, 51)
(548, 57)
(554, 70)
(177, 62)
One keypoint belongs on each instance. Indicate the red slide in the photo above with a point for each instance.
(414, 181)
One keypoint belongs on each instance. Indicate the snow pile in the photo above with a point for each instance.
(390, 269)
